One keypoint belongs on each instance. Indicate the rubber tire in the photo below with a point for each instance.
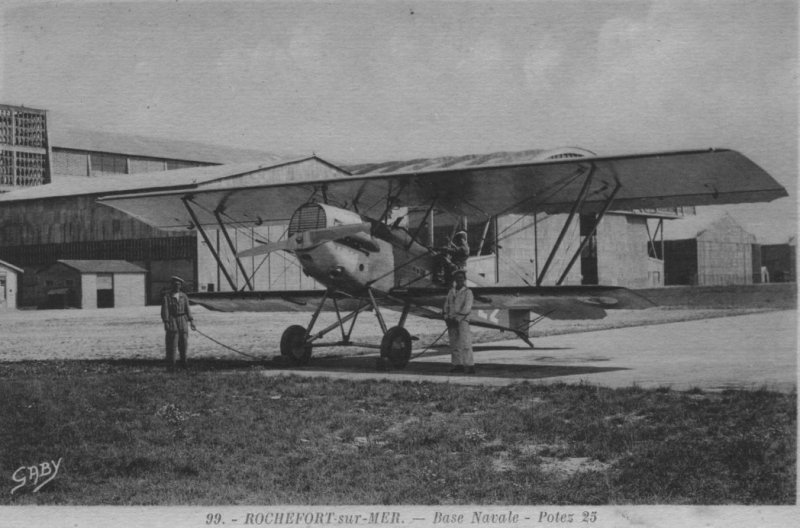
(396, 346)
(294, 346)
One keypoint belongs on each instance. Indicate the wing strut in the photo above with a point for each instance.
(427, 218)
(232, 248)
(186, 200)
(590, 234)
(483, 236)
(575, 206)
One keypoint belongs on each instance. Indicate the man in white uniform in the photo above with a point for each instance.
(457, 307)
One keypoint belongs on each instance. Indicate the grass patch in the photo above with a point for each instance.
(136, 435)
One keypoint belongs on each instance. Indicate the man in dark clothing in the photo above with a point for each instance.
(456, 254)
(177, 318)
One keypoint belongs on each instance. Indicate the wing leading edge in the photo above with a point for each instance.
(477, 189)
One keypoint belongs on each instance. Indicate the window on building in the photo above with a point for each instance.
(29, 129)
(6, 167)
(6, 126)
(109, 163)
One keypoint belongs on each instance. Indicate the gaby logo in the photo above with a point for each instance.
(37, 475)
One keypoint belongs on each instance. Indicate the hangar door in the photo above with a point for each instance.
(3, 292)
(105, 290)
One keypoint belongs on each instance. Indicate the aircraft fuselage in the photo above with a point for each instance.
(382, 259)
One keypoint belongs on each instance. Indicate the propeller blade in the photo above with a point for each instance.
(266, 248)
(308, 239)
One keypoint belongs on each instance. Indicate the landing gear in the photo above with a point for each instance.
(396, 346)
(298, 342)
(295, 346)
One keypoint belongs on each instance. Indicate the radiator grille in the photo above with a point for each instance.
(310, 216)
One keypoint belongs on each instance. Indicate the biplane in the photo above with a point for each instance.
(348, 229)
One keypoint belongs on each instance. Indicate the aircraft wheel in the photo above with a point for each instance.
(294, 346)
(396, 346)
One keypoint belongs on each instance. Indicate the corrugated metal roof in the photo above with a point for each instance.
(149, 147)
(470, 161)
(103, 266)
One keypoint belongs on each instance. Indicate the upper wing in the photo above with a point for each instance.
(476, 187)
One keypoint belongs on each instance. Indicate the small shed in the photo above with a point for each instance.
(707, 249)
(8, 285)
(90, 284)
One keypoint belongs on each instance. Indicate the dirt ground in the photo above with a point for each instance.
(137, 333)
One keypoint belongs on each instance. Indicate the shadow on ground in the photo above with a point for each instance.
(442, 368)
(358, 364)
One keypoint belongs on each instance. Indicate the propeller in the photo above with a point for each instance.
(308, 239)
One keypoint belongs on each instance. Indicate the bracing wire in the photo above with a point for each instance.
(552, 191)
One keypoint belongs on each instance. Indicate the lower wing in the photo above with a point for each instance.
(553, 302)
(271, 301)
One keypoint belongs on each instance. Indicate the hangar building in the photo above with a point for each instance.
(57, 173)
(709, 249)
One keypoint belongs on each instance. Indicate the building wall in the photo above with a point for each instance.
(721, 263)
(622, 257)
(54, 277)
(274, 271)
(8, 288)
(68, 219)
(523, 254)
(721, 254)
(88, 291)
(36, 233)
(129, 289)
(724, 254)
(71, 162)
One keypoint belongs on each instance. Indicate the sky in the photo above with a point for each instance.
(375, 81)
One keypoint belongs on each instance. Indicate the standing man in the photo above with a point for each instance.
(455, 256)
(457, 307)
(177, 318)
